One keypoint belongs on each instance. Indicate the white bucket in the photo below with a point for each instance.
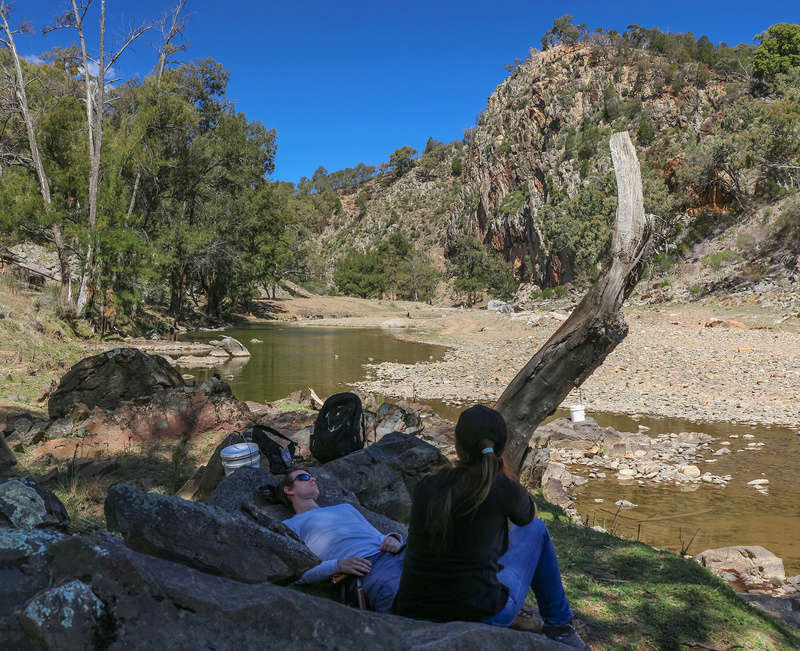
(577, 413)
(239, 455)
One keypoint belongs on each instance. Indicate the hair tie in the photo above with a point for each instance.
(487, 450)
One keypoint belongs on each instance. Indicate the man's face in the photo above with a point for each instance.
(303, 489)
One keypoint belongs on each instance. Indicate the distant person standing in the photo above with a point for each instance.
(462, 563)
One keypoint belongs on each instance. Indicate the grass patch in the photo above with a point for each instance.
(631, 595)
(718, 259)
(35, 344)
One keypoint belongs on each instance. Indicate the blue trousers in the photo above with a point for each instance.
(383, 580)
(530, 562)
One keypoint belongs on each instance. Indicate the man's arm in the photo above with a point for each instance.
(353, 565)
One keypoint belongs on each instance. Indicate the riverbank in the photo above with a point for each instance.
(698, 361)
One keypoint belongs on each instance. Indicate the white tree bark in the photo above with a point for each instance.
(595, 327)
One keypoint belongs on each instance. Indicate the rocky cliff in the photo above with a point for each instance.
(543, 139)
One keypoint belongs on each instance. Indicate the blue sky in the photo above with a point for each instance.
(345, 82)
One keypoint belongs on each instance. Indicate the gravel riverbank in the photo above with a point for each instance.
(677, 361)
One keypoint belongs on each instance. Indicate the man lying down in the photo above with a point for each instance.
(344, 540)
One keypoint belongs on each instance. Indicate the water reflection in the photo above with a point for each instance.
(292, 358)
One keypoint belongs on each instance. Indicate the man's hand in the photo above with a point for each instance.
(354, 565)
(391, 544)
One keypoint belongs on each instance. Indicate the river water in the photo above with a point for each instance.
(291, 358)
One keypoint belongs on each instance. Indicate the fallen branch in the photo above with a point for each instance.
(595, 327)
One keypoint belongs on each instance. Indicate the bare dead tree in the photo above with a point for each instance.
(95, 110)
(595, 327)
(21, 96)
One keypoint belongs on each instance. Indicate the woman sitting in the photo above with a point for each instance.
(462, 562)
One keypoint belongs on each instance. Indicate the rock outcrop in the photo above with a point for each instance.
(152, 603)
(251, 491)
(205, 537)
(108, 379)
(383, 475)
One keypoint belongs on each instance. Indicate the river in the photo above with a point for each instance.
(290, 358)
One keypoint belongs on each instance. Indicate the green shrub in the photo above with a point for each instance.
(560, 291)
(698, 290)
(718, 259)
(504, 148)
(547, 292)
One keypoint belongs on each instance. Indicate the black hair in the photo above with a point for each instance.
(465, 485)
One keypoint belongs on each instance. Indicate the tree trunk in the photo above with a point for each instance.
(594, 328)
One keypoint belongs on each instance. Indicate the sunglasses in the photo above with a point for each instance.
(303, 476)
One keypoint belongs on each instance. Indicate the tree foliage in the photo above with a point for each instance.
(778, 52)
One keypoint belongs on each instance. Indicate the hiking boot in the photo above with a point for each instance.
(564, 634)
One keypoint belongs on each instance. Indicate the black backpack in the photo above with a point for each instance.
(279, 456)
(339, 428)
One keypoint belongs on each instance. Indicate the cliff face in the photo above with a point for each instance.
(544, 137)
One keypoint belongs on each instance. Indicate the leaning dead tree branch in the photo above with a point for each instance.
(595, 327)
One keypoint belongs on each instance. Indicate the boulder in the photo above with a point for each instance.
(205, 537)
(747, 567)
(234, 347)
(690, 471)
(556, 470)
(24, 570)
(65, 617)
(787, 610)
(383, 475)
(553, 491)
(244, 492)
(167, 414)
(7, 457)
(108, 379)
(26, 505)
(152, 603)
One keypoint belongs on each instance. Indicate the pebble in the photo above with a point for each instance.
(646, 373)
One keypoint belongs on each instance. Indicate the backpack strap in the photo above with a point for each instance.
(272, 430)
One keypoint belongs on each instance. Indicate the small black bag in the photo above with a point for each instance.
(279, 456)
(339, 428)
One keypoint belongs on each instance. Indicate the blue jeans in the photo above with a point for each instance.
(383, 580)
(530, 562)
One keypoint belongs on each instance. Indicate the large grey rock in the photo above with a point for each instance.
(153, 603)
(785, 609)
(25, 569)
(205, 537)
(64, 617)
(383, 475)
(244, 492)
(234, 347)
(107, 379)
(746, 567)
(26, 505)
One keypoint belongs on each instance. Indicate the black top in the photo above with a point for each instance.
(460, 583)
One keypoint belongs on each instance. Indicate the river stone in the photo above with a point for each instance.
(152, 603)
(107, 379)
(750, 566)
(26, 505)
(758, 482)
(233, 347)
(63, 617)
(205, 537)
(626, 473)
(690, 471)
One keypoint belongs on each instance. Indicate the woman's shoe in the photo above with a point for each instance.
(565, 634)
